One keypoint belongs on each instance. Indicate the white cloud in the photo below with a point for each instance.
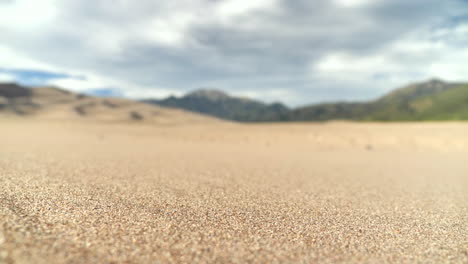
(150, 92)
(418, 56)
(234, 8)
(452, 66)
(4, 77)
(12, 58)
(314, 50)
(270, 96)
(27, 15)
(80, 85)
(169, 31)
(93, 82)
(354, 3)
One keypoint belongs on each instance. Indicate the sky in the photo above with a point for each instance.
(293, 51)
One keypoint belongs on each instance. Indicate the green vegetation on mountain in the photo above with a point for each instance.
(416, 102)
(450, 104)
(432, 100)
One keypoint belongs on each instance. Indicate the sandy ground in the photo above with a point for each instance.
(84, 192)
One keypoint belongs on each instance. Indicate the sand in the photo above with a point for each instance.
(48, 103)
(93, 192)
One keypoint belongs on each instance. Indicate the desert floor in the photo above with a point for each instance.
(88, 192)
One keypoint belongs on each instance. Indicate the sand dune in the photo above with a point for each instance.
(85, 192)
(57, 104)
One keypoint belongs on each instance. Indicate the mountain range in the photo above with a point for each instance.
(219, 104)
(430, 100)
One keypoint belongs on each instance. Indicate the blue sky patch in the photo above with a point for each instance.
(105, 92)
(35, 77)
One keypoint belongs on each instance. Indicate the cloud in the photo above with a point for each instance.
(354, 3)
(4, 77)
(424, 55)
(311, 50)
(26, 15)
(93, 84)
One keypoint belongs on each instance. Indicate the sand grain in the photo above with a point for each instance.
(81, 192)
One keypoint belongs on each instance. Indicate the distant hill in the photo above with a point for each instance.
(219, 104)
(55, 103)
(431, 100)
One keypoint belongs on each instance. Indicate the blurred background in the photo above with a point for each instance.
(291, 53)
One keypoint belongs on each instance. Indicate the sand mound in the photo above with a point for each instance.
(57, 104)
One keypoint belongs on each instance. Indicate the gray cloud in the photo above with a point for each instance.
(278, 50)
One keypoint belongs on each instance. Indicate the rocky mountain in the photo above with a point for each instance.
(219, 104)
(430, 100)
